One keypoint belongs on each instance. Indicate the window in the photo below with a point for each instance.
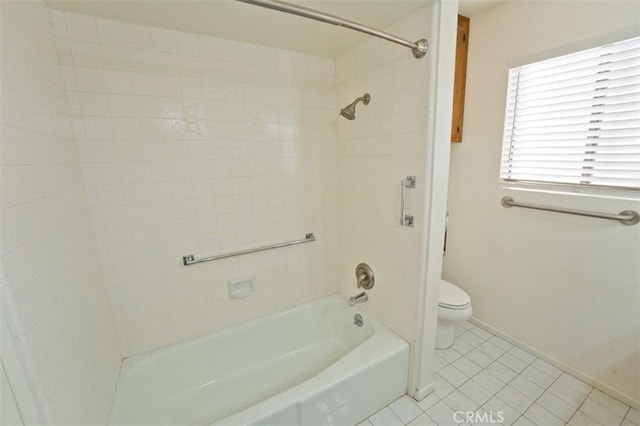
(573, 122)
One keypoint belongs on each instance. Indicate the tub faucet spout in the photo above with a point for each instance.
(358, 298)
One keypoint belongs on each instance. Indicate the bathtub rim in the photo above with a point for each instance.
(378, 329)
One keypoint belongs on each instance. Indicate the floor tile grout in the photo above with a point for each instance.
(536, 376)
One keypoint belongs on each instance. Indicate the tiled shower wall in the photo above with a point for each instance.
(199, 145)
(385, 144)
(53, 293)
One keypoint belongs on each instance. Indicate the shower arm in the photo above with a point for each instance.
(419, 48)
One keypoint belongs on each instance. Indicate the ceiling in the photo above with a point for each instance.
(471, 8)
(243, 22)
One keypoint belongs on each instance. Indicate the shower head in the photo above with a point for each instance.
(349, 112)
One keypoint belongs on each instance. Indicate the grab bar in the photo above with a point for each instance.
(190, 259)
(626, 217)
(405, 219)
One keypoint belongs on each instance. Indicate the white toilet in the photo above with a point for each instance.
(454, 306)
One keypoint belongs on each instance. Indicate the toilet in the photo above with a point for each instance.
(454, 305)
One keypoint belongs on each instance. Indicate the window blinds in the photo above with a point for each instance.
(575, 120)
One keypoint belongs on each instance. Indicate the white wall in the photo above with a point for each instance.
(565, 285)
(199, 145)
(384, 144)
(53, 294)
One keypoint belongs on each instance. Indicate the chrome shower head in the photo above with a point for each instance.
(349, 112)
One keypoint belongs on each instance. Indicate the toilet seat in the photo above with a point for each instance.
(453, 297)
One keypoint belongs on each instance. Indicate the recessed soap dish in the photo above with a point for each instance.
(241, 287)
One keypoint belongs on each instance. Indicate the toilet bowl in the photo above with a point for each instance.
(454, 305)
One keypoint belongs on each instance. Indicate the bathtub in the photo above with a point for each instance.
(308, 365)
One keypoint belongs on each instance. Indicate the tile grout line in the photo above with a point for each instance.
(530, 405)
(494, 395)
(580, 406)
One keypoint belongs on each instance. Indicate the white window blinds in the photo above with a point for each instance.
(574, 120)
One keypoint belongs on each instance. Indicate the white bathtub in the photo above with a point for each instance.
(309, 365)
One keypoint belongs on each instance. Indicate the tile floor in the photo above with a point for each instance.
(486, 375)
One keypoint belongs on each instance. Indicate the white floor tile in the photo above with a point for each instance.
(467, 366)
(481, 333)
(497, 377)
(527, 388)
(423, 420)
(633, 416)
(501, 372)
(453, 375)
(581, 419)
(462, 346)
(471, 338)
(522, 355)
(405, 408)
(608, 402)
(442, 414)
(501, 343)
(457, 401)
(538, 377)
(523, 421)
(439, 363)
(575, 384)
(547, 368)
(555, 405)
(466, 325)
(428, 402)
(479, 357)
(475, 392)
(491, 350)
(457, 331)
(600, 413)
(501, 410)
(385, 417)
(442, 387)
(489, 381)
(448, 355)
(541, 416)
(568, 394)
(512, 362)
(515, 399)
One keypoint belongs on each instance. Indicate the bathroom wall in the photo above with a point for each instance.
(199, 145)
(53, 294)
(567, 286)
(383, 145)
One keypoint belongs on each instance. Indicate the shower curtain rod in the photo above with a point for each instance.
(419, 48)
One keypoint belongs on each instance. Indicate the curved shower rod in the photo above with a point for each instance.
(419, 48)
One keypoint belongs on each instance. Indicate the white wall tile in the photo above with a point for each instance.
(90, 79)
(81, 27)
(370, 167)
(54, 289)
(139, 36)
(114, 57)
(168, 173)
(111, 32)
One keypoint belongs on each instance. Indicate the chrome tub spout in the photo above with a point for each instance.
(358, 298)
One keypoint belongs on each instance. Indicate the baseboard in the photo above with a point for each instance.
(559, 364)
(420, 394)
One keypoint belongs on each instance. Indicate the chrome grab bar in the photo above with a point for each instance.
(190, 259)
(626, 217)
(405, 219)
